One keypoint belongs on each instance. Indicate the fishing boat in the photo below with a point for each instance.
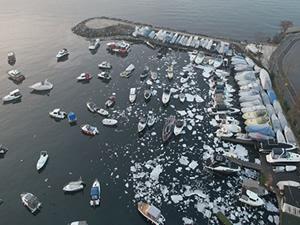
(147, 92)
(180, 123)
(95, 193)
(86, 128)
(94, 44)
(153, 75)
(151, 213)
(250, 198)
(110, 101)
(170, 72)
(42, 160)
(62, 53)
(128, 71)
(13, 95)
(150, 119)
(142, 123)
(103, 112)
(105, 65)
(220, 163)
(57, 113)
(104, 75)
(42, 86)
(31, 201)
(145, 72)
(84, 76)
(223, 132)
(72, 117)
(181, 97)
(92, 106)
(109, 122)
(132, 95)
(16, 75)
(11, 58)
(166, 95)
(3, 149)
(168, 128)
(282, 156)
(74, 185)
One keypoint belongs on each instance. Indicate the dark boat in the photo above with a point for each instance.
(11, 58)
(220, 163)
(268, 145)
(161, 52)
(168, 128)
(3, 149)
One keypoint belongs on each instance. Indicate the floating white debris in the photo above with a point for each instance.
(199, 99)
(193, 165)
(270, 218)
(184, 160)
(271, 207)
(153, 133)
(154, 175)
(189, 97)
(187, 221)
(181, 112)
(176, 198)
(199, 117)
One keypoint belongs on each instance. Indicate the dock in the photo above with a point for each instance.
(246, 164)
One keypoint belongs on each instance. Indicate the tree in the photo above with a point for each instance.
(284, 25)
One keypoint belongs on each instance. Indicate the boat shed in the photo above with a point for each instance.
(291, 205)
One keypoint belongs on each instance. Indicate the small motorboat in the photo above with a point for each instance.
(78, 223)
(168, 128)
(74, 185)
(212, 59)
(153, 75)
(84, 76)
(231, 127)
(150, 119)
(42, 160)
(104, 75)
(103, 112)
(180, 123)
(282, 156)
(278, 169)
(255, 114)
(11, 58)
(145, 72)
(94, 44)
(267, 145)
(151, 213)
(92, 106)
(220, 163)
(250, 198)
(31, 201)
(42, 86)
(243, 136)
(95, 193)
(142, 123)
(170, 72)
(166, 95)
(110, 101)
(147, 92)
(218, 62)
(89, 129)
(257, 121)
(57, 113)
(121, 47)
(128, 71)
(222, 109)
(72, 117)
(62, 53)
(16, 75)
(3, 149)
(132, 95)
(105, 65)
(199, 58)
(181, 97)
(223, 132)
(184, 78)
(13, 95)
(109, 122)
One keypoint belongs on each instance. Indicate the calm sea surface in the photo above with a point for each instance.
(131, 167)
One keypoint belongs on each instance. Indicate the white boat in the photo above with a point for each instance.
(78, 223)
(250, 198)
(142, 123)
(147, 92)
(280, 137)
(84, 76)
(289, 136)
(170, 72)
(166, 95)
(199, 58)
(153, 75)
(132, 95)
(145, 72)
(42, 86)
(150, 119)
(57, 113)
(42, 160)
(258, 120)
(151, 213)
(218, 62)
(95, 193)
(232, 127)
(223, 132)
(109, 122)
(110, 101)
(13, 95)
(278, 169)
(282, 156)
(212, 59)
(184, 78)
(74, 185)
(103, 112)
(192, 58)
(62, 53)
(104, 75)
(128, 71)
(222, 110)
(86, 128)
(291, 183)
(16, 75)
(243, 136)
(94, 44)
(181, 97)
(252, 48)
(31, 201)
(92, 106)
(105, 65)
(220, 163)
(179, 124)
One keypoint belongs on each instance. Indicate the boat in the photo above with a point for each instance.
(120, 47)
(275, 123)
(250, 198)
(3, 149)
(179, 124)
(168, 128)
(278, 169)
(104, 75)
(132, 95)
(16, 75)
(42, 86)
(105, 65)
(86, 128)
(109, 122)
(145, 72)
(57, 113)
(267, 146)
(153, 75)
(170, 72)
(282, 156)
(223, 132)
(256, 136)
(102, 112)
(282, 120)
(74, 185)
(254, 186)
(166, 95)
(161, 52)
(11, 57)
(219, 163)
(264, 129)
(289, 136)
(280, 137)
(243, 136)
(218, 62)
(255, 114)
(199, 58)
(13, 95)
(92, 106)
(257, 121)
(212, 59)
(110, 101)
(252, 48)
(222, 109)
(252, 108)
(151, 213)
(95, 193)
(72, 117)
(62, 53)
(149, 44)
(150, 119)
(226, 119)
(84, 76)
(181, 97)
(147, 92)
(142, 123)
(184, 78)
(94, 44)
(42, 160)
(31, 201)
(128, 71)
(78, 223)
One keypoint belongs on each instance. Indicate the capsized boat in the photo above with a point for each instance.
(110, 101)
(62, 53)
(132, 95)
(16, 75)
(72, 117)
(151, 213)
(94, 44)
(13, 95)
(42, 86)
(168, 128)
(166, 95)
(42, 160)
(92, 106)
(128, 71)
(86, 128)
(57, 113)
(220, 163)
(150, 119)
(105, 65)
(103, 112)
(282, 156)
(250, 198)
(84, 76)
(31, 201)
(95, 193)
(179, 124)
(109, 122)
(74, 185)
(142, 123)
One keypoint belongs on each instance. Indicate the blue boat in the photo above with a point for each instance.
(72, 117)
(271, 95)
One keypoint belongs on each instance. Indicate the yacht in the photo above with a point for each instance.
(74, 185)
(132, 95)
(3, 149)
(153, 75)
(250, 198)
(282, 156)
(62, 53)
(16, 75)
(104, 75)
(103, 112)
(11, 58)
(109, 122)
(199, 58)
(223, 132)
(105, 65)
(42, 160)
(147, 92)
(110, 101)
(84, 76)
(94, 44)
(42, 86)
(184, 78)
(218, 62)
(31, 201)
(151, 213)
(181, 97)
(57, 113)
(170, 72)
(166, 95)
(220, 163)
(13, 95)
(145, 72)
(150, 119)
(92, 106)
(78, 223)
(128, 71)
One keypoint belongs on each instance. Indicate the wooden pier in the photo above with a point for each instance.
(246, 164)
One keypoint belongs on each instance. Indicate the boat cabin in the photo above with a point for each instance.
(153, 213)
(278, 153)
